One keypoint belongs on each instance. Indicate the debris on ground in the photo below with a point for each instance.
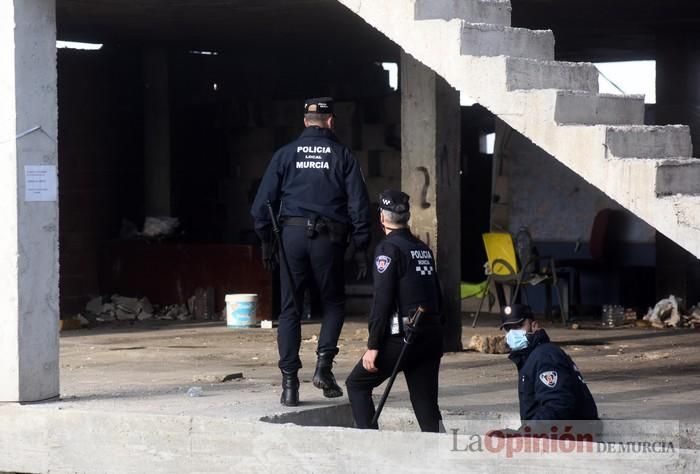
(666, 313)
(123, 308)
(488, 344)
(217, 378)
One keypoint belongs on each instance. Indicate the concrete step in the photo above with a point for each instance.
(646, 141)
(495, 12)
(495, 40)
(586, 108)
(523, 74)
(678, 176)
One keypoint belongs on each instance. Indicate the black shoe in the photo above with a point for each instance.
(323, 377)
(290, 389)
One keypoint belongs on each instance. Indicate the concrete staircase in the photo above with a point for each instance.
(512, 72)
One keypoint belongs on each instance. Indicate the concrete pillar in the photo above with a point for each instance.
(29, 313)
(156, 133)
(430, 167)
(678, 101)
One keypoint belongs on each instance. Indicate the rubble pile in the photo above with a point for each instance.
(666, 314)
(123, 308)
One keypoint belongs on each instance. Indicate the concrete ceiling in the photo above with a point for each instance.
(585, 29)
(260, 26)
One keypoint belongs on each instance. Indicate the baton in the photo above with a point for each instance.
(408, 339)
(276, 229)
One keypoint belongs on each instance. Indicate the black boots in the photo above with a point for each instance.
(290, 389)
(323, 377)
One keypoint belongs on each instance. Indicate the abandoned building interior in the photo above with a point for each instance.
(180, 110)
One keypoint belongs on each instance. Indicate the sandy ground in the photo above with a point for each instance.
(149, 366)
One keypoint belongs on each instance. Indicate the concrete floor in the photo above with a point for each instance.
(633, 373)
(142, 372)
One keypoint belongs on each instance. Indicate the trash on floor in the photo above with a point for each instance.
(667, 314)
(488, 344)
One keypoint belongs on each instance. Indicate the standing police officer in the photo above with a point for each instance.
(404, 278)
(322, 198)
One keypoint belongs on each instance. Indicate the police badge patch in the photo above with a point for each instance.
(549, 378)
(382, 262)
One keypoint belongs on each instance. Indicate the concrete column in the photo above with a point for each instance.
(678, 101)
(430, 166)
(29, 313)
(156, 133)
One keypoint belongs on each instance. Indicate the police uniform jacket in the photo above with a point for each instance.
(550, 385)
(404, 278)
(314, 176)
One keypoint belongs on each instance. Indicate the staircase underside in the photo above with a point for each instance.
(511, 71)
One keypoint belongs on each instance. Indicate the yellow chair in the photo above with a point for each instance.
(503, 269)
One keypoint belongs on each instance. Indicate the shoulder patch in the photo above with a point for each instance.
(382, 262)
(549, 378)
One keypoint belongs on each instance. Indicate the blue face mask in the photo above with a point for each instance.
(516, 339)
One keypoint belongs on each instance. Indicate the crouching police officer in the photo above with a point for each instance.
(404, 278)
(322, 199)
(550, 385)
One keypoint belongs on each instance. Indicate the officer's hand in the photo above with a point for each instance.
(361, 262)
(269, 256)
(368, 360)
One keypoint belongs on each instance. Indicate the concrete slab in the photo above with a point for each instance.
(124, 391)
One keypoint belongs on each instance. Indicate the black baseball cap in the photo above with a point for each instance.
(394, 201)
(318, 105)
(515, 314)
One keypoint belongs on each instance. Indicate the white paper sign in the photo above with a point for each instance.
(40, 183)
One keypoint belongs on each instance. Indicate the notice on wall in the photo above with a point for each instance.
(40, 183)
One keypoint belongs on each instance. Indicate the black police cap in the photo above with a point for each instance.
(318, 105)
(394, 201)
(515, 314)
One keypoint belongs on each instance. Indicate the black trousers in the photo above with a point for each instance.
(420, 365)
(316, 260)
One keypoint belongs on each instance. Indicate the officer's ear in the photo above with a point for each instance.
(330, 122)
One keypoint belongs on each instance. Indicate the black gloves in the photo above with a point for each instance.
(269, 256)
(361, 262)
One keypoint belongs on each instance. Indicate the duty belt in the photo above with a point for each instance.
(318, 225)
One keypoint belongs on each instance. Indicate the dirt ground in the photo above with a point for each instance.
(633, 373)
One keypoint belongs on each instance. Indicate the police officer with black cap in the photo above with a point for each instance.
(320, 192)
(550, 385)
(405, 278)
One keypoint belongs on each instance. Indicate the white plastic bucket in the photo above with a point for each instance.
(240, 310)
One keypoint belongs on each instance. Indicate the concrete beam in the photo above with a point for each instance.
(156, 132)
(29, 232)
(430, 165)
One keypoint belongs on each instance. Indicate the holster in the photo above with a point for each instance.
(337, 232)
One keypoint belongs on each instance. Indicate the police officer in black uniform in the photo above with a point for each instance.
(404, 278)
(550, 385)
(320, 192)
